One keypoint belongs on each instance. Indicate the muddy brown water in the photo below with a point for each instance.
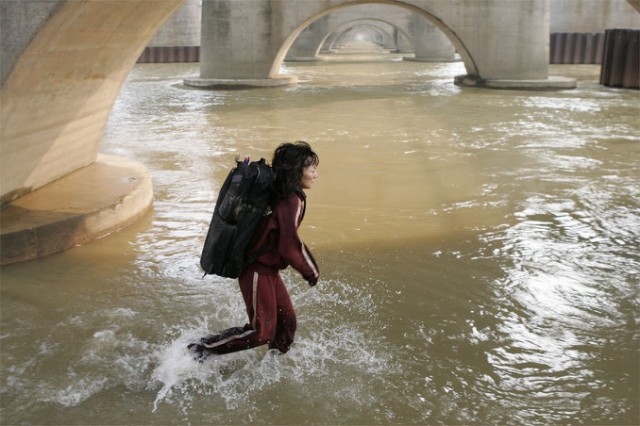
(479, 253)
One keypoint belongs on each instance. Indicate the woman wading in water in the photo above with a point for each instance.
(272, 318)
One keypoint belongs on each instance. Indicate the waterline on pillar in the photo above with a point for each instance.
(551, 83)
(240, 83)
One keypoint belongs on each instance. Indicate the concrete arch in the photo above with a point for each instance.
(326, 29)
(68, 66)
(66, 80)
(412, 33)
(385, 35)
(376, 34)
(503, 44)
(388, 28)
(469, 61)
(396, 39)
(64, 62)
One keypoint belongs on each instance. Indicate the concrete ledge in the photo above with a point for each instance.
(83, 206)
(303, 59)
(551, 83)
(414, 59)
(241, 83)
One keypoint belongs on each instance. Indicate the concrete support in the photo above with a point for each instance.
(430, 44)
(57, 96)
(85, 205)
(240, 39)
(246, 40)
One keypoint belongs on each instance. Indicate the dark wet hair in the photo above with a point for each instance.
(289, 162)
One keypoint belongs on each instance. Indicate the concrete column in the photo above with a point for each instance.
(503, 44)
(240, 39)
(429, 43)
(63, 76)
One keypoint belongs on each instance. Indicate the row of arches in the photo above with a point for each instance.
(67, 61)
(390, 27)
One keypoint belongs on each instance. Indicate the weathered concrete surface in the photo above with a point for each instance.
(63, 75)
(430, 44)
(19, 22)
(593, 16)
(182, 28)
(496, 39)
(87, 204)
(58, 96)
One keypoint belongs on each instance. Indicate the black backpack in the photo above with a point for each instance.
(243, 200)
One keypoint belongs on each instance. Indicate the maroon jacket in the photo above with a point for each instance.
(279, 230)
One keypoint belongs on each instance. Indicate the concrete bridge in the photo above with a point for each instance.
(503, 44)
(380, 33)
(64, 62)
(422, 37)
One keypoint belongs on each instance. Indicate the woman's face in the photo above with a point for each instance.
(309, 175)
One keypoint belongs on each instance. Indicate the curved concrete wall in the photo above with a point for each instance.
(19, 22)
(57, 98)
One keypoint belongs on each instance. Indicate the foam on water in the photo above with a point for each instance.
(323, 348)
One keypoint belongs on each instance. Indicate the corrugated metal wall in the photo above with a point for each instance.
(621, 59)
(576, 48)
(170, 54)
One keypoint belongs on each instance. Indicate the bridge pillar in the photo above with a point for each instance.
(240, 39)
(63, 63)
(503, 44)
(430, 44)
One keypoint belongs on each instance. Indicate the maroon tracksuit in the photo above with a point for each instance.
(272, 318)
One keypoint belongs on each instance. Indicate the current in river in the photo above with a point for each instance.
(478, 249)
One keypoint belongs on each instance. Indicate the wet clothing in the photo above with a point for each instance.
(272, 318)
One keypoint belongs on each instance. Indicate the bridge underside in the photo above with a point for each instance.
(246, 40)
(65, 62)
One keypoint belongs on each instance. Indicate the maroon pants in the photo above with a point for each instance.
(272, 319)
